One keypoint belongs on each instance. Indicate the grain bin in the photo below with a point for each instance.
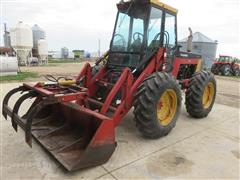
(43, 51)
(38, 33)
(22, 42)
(202, 45)
(64, 53)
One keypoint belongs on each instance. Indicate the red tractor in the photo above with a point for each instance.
(226, 66)
(75, 119)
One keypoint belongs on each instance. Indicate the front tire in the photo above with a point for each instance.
(226, 70)
(157, 105)
(200, 94)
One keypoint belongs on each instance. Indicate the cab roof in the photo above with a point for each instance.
(125, 4)
(163, 5)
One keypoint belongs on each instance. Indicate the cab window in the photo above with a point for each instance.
(170, 22)
(154, 27)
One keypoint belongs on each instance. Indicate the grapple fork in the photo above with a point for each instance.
(76, 136)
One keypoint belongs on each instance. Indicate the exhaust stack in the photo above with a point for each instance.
(189, 42)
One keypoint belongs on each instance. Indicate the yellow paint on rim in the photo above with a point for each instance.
(208, 95)
(167, 107)
(165, 6)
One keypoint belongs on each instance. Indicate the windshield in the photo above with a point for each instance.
(129, 32)
(225, 59)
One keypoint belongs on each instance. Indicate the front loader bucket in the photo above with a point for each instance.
(76, 136)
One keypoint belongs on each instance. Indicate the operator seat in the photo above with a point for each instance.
(136, 45)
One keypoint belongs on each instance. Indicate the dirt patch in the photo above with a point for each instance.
(56, 69)
(236, 154)
(169, 164)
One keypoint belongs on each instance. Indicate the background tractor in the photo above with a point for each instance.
(75, 119)
(226, 66)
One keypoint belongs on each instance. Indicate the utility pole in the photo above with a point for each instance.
(5, 35)
(99, 48)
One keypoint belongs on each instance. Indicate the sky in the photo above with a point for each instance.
(78, 24)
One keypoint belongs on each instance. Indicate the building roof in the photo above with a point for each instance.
(78, 51)
(199, 37)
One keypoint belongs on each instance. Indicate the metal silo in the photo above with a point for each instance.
(64, 53)
(38, 33)
(22, 42)
(43, 51)
(202, 45)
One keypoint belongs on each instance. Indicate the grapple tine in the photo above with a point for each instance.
(37, 100)
(18, 104)
(32, 114)
(8, 96)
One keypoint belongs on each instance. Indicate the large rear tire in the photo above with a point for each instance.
(157, 105)
(200, 94)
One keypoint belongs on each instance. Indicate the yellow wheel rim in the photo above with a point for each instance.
(208, 95)
(167, 107)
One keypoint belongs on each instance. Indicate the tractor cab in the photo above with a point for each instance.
(141, 28)
(225, 59)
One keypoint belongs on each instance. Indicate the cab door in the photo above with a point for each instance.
(170, 39)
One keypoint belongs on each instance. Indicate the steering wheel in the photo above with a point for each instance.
(121, 39)
(137, 35)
